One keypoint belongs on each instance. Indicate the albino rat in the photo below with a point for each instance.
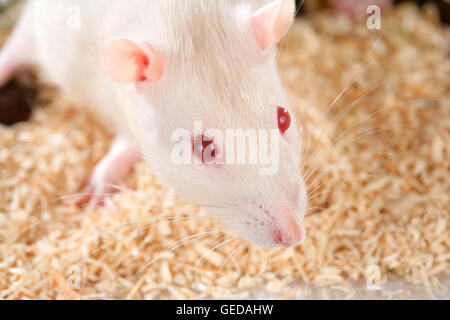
(149, 68)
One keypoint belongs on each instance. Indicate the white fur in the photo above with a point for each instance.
(213, 71)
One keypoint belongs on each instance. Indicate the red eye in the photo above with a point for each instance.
(284, 119)
(204, 149)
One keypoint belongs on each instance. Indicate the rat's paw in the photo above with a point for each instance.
(109, 172)
(94, 195)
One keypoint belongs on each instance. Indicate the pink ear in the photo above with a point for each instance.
(270, 23)
(126, 62)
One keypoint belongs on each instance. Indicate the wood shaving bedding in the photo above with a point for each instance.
(377, 163)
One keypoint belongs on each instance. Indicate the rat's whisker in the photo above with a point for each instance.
(313, 208)
(358, 74)
(349, 84)
(309, 159)
(169, 220)
(320, 169)
(250, 251)
(153, 210)
(427, 100)
(181, 243)
(369, 116)
(342, 115)
(377, 130)
(80, 195)
(316, 188)
(306, 150)
(319, 194)
(166, 219)
(283, 40)
(221, 243)
(314, 213)
(309, 173)
(122, 188)
(231, 255)
(108, 243)
(355, 125)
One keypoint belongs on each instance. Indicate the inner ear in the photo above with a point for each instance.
(270, 23)
(126, 61)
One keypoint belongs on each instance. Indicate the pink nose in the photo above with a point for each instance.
(291, 233)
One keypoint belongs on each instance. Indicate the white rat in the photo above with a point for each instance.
(149, 68)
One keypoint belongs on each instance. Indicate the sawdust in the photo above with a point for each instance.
(377, 162)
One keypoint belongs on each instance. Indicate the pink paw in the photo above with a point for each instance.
(109, 172)
(93, 196)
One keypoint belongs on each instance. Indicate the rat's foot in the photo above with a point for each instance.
(109, 171)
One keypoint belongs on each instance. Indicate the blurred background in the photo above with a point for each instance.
(317, 5)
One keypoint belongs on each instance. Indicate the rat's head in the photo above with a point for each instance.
(211, 117)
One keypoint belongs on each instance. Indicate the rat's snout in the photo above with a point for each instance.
(289, 231)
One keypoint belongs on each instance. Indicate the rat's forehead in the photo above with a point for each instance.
(239, 118)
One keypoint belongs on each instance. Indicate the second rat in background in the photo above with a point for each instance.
(150, 68)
